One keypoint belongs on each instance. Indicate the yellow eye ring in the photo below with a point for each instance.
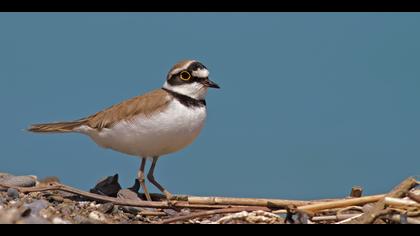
(185, 75)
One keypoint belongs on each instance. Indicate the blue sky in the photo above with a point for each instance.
(311, 103)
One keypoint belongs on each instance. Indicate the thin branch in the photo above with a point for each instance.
(414, 196)
(401, 202)
(180, 201)
(211, 212)
(341, 203)
(409, 220)
(152, 213)
(271, 203)
(115, 201)
(371, 215)
(349, 219)
(339, 217)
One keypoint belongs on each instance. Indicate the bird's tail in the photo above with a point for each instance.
(58, 127)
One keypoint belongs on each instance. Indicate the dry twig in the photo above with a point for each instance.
(378, 210)
(211, 212)
(414, 196)
(316, 207)
(271, 203)
(115, 201)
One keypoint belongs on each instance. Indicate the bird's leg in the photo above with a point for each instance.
(152, 180)
(141, 178)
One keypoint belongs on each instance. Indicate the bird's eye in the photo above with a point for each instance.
(185, 75)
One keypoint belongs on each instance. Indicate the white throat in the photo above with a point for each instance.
(194, 90)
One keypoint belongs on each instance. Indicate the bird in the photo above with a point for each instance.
(148, 126)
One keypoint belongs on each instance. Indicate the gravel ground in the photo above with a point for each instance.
(57, 207)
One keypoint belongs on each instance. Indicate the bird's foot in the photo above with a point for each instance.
(170, 199)
(168, 195)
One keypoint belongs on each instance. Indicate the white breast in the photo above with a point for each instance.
(147, 136)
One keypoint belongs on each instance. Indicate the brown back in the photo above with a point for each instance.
(146, 104)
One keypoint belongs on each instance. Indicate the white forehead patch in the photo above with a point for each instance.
(201, 73)
(177, 70)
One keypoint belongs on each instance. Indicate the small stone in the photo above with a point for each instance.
(12, 193)
(83, 204)
(107, 186)
(25, 212)
(37, 206)
(94, 205)
(106, 208)
(128, 194)
(356, 191)
(78, 219)
(95, 215)
(18, 181)
(170, 212)
(14, 203)
(59, 221)
(33, 220)
(124, 222)
(9, 216)
(50, 179)
(66, 211)
(56, 198)
(67, 201)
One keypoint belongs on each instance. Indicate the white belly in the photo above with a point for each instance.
(161, 133)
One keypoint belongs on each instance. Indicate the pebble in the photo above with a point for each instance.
(95, 215)
(14, 203)
(94, 205)
(170, 212)
(50, 179)
(9, 216)
(12, 193)
(128, 194)
(107, 186)
(18, 181)
(66, 211)
(78, 219)
(37, 206)
(33, 220)
(59, 221)
(56, 198)
(106, 208)
(63, 208)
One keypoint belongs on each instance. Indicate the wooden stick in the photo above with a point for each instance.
(339, 217)
(183, 201)
(115, 201)
(341, 203)
(410, 220)
(349, 219)
(211, 212)
(401, 202)
(272, 203)
(371, 215)
(152, 213)
(414, 196)
(356, 191)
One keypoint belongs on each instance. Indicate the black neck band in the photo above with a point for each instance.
(186, 100)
